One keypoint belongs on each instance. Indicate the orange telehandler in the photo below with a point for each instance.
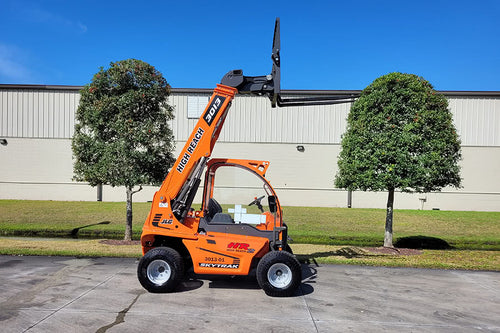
(175, 237)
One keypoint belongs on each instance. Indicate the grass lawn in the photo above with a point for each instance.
(365, 227)
(310, 225)
(323, 235)
(64, 218)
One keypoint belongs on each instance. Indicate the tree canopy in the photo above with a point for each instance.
(122, 136)
(400, 135)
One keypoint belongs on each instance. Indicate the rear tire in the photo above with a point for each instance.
(279, 274)
(160, 270)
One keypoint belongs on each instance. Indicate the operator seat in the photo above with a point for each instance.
(213, 208)
(215, 214)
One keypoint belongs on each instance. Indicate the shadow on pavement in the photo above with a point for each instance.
(346, 252)
(193, 282)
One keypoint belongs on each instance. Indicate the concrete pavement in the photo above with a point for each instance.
(65, 294)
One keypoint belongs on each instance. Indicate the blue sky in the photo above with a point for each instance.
(325, 44)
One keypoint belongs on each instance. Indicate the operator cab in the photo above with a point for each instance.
(247, 196)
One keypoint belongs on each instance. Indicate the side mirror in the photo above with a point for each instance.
(272, 204)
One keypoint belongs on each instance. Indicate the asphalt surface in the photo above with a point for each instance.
(64, 294)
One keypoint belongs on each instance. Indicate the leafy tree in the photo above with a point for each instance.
(122, 137)
(400, 135)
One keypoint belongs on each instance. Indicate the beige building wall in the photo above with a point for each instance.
(306, 178)
(42, 169)
(36, 162)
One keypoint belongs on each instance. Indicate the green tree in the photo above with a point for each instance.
(400, 135)
(122, 137)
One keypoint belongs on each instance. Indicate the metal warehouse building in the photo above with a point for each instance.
(302, 144)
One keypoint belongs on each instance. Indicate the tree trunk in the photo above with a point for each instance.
(388, 219)
(128, 225)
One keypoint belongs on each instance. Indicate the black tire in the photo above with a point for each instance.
(160, 270)
(279, 274)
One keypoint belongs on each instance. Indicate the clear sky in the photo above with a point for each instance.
(325, 44)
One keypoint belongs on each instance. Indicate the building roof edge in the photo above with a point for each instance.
(285, 91)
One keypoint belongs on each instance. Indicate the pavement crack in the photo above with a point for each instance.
(308, 309)
(120, 317)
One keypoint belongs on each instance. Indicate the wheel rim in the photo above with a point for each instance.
(279, 275)
(159, 272)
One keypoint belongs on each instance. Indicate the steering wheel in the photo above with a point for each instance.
(256, 201)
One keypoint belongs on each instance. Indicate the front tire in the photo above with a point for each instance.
(160, 270)
(279, 274)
